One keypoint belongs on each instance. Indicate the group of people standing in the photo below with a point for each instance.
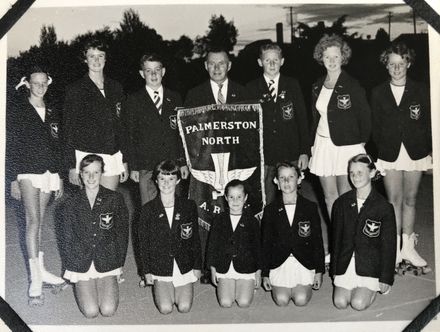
(106, 138)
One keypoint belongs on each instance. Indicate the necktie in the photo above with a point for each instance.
(272, 91)
(220, 97)
(157, 102)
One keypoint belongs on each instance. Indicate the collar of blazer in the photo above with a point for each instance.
(159, 210)
(102, 193)
(343, 80)
(372, 196)
(281, 210)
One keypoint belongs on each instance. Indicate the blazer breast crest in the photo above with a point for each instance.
(371, 228)
(344, 102)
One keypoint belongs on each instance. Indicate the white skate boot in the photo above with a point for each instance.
(411, 259)
(35, 292)
(50, 280)
(398, 253)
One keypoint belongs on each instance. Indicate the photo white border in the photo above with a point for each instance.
(434, 58)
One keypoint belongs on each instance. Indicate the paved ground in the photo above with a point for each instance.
(409, 296)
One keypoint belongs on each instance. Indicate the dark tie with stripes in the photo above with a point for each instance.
(220, 97)
(157, 102)
(272, 91)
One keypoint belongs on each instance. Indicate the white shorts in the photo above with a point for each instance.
(46, 182)
(405, 163)
(330, 160)
(74, 277)
(291, 273)
(178, 279)
(113, 164)
(232, 274)
(350, 280)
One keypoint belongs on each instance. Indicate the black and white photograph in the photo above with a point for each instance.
(229, 166)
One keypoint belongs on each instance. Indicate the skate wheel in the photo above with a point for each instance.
(142, 283)
(399, 271)
(36, 301)
(426, 269)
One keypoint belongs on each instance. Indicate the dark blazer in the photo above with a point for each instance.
(349, 115)
(286, 129)
(91, 122)
(98, 234)
(370, 234)
(153, 137)
(160, 244)
(33, 146)
(202, 94)
(409, 122)
(303, 239)
(242, 246)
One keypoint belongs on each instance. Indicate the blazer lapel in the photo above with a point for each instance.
(209, 94)
(150, 104)
(283, 214)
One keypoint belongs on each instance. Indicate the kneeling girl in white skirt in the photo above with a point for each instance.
(234, 254)
(364, 240)
(169, 242)
(293, 253)
(96, 240)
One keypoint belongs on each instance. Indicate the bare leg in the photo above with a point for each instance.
(281, 295)
(147, 187)
(110, 182)
(184, 297)
(244, 292)
(343, 184)
(164, 296)
(393, 182)
(411, 181)
(108, 289)
(31, 201)
(341, 297)
(362, 298)
(86, 295)
(330, 190)
(226, 292)
(301, 294)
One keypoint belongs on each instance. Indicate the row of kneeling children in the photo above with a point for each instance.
(286, 256)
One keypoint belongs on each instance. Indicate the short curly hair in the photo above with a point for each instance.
(398, 48)
(94, 44)
(328, 41)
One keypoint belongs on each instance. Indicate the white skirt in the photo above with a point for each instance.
(74, 277)
(330, 160)
(350, 280)
(291, 273)
(46, 182)
(232, 274)
(178, 279)
(113, 164)
(405, 163)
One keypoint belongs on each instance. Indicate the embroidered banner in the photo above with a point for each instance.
(223, 143)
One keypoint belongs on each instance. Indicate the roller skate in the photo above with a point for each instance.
(143, 282)
(50, 281)
(35, 292)
(327, 261)
(411, 260)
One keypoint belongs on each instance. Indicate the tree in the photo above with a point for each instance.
(221, 34)
(48, 36)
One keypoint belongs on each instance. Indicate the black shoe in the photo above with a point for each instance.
(205, 278)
